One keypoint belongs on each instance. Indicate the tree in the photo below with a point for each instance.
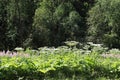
(3, 23)
(19, 21)
(55, 21)
(104, 22)
(59, 19)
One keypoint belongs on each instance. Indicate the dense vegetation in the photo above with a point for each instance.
(36, 23)
(33, 24)
(64, 63)
(104, 22)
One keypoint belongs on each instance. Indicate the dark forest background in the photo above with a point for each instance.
(36, 23)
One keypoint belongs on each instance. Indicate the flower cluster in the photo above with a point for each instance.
(12, 54)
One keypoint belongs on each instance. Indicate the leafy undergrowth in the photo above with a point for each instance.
(62, 63)
(64, 66)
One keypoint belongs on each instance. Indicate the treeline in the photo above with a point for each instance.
(36, 23)
(16, 18)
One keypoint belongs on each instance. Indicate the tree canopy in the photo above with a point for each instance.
(36, 23)
(104, 22)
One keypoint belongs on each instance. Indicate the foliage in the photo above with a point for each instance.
(54, 22)
(15, 22)
(104, 22)
(3, 24)
(58, 63)
(58, 19)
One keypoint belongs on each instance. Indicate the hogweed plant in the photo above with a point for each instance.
(71, 44)
(19, 49)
